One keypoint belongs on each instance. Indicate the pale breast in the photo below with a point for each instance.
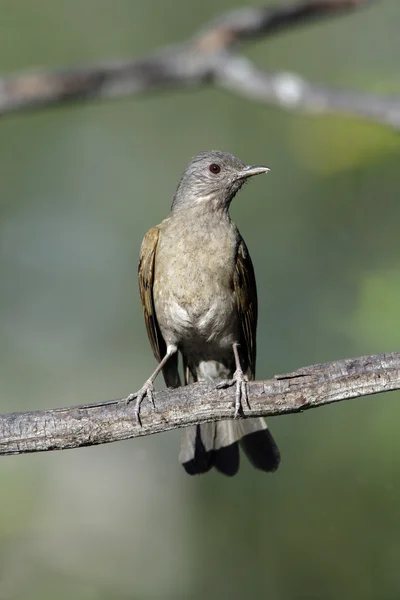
(193, 288)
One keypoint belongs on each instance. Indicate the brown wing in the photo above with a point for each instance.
(246, 298)
(146, 279)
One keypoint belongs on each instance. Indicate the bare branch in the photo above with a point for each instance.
(310, 387)
(291, 91)
(208, 58)
(247, 23)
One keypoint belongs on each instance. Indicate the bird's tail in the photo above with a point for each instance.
(217, 445)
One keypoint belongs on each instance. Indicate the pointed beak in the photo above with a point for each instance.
(249, 171)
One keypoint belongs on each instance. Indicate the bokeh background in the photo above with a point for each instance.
(79, 187)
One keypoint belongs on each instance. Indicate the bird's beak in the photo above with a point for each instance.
(250, 170)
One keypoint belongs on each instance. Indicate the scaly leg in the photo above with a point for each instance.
(147, 389)
(240, 381)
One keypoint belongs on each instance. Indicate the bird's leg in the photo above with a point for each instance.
(240, 381)
(147, 389)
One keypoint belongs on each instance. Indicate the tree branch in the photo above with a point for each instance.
(92, 424)
(208, 58)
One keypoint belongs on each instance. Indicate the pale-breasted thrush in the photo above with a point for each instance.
(199, 297)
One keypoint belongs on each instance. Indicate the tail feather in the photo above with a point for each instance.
(226, 448)
(210, 445)
(197, 448)
(216, 445)
(258, 445)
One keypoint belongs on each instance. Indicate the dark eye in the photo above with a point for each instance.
(214, 168)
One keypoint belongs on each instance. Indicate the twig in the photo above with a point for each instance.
(210, 57)
(310, 387)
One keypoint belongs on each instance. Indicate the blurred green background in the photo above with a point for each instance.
(78, 189)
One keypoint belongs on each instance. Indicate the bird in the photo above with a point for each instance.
(198, 291)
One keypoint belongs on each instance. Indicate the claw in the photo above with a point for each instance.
(241, 392)
(241, 395)
(225, 383)
(145, 391)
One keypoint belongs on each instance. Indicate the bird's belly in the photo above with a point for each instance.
(193, 318)
(211, 370)
(194, 323)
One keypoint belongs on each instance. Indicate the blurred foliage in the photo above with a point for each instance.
(78, 189)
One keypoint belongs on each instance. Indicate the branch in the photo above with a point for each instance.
(92, 424)
(208, 58)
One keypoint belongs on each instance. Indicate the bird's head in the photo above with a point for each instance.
(213, 178)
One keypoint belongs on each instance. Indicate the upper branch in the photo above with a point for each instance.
(208, 57)
(318, 385)
(248, 23)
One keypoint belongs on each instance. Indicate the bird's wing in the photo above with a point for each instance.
(146, 280)
(246, 300)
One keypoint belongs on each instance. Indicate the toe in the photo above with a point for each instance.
(137, 417)
(225, 383)
(131, 397)
(150, 397)
(245, 394)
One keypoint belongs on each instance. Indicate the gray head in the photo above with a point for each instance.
(213, 178)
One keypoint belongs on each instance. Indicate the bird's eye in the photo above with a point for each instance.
(214, 168)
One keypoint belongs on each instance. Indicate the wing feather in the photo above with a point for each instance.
(246, 298)
(146, 281)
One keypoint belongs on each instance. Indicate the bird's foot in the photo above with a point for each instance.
(145, 391)
(242, 394)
